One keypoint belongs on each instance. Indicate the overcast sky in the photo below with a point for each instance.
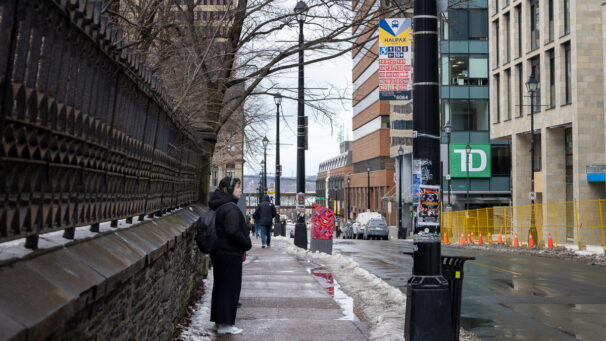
(335, 73)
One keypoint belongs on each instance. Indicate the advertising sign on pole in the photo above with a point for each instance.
(428, 210)
(479, 161)
(395, 67)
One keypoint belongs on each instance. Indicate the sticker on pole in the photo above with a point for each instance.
(532, 195)
(428, 210)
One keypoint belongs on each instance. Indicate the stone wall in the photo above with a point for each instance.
(128, 284)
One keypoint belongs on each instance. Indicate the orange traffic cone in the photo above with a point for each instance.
(500, 239)
(515, 241)
(480, 241)
(469, 240)
(530, 241)
(549, 242)
(462, 238)
(445, 238)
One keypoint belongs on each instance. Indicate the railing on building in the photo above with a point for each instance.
(571, 223)
(87, 131)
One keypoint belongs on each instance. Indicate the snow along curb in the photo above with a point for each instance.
(382, 305)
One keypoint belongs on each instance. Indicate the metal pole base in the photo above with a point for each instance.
(301, 235)
(428, 309)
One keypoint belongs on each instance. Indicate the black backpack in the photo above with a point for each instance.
(206, 231)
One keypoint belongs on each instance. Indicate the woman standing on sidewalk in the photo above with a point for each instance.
(233, 242)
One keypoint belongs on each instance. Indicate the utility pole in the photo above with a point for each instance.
(277, 223)
(428, 301)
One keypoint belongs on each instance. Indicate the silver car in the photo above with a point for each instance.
(376, 229)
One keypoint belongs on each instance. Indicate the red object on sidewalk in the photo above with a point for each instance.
(480, 241)
(445, 238)
(462, 238)
(469, 240)
(500, 239)
(515, 241)
(549, 242)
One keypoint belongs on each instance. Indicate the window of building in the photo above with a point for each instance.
(466, 115)
(550, 17)
(535, 67)
(568, 162)
(500, 160)
(567, 74)
(478, 24)
(459, 24)
(458, 27)
(215, 177)
(444, 26)
(552, 94)
(465, 70)
(566, 16)
(230, 170)
(537, 152)
(520, 90)
(519, 21)
(535, 25)
(508, 94)
(507, 38)
(497, 112)
(497, 42)
(459, 70)
(402, 124)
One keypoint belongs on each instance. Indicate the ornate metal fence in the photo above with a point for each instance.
(87, 134)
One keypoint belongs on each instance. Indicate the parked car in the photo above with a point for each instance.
(362, 222)
(376, 229)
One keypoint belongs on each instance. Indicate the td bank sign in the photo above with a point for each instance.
(479, 161)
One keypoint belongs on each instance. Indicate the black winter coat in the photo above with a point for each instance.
(265, 212)
(232, 232)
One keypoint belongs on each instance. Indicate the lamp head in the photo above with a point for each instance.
(265, 141)
(468, 149)
(301, 11)
(532, 84)
(400, 151)
(278, 99)
(448, 128)
(368, 169)
(348, 180)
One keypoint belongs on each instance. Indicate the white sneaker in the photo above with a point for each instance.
(227, 329)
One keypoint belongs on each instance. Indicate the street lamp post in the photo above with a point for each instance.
(265, 143)
(368, 189)
(467, 166)
(400, 165)
(300, 230)
(448, 131)
(348, 206)
(532, 85)
(277, 223)
(428, 306)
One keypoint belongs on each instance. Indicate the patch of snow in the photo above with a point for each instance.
(382, 305)
(200, 328)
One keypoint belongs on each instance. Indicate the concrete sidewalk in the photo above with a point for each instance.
(282, 300)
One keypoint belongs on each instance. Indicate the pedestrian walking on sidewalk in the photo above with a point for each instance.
(233, 241)
(264, 216)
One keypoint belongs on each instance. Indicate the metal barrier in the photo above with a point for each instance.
(87, 131)
(573, 222)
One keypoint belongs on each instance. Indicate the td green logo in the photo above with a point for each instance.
(479, 161)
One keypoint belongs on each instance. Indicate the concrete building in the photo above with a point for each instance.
(464, 92)
(563, 43)
(331, 182)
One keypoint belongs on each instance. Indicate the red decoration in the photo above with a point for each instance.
(323, 220)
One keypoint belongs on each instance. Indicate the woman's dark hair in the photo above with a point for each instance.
(227, 184)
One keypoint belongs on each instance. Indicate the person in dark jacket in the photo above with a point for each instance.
(264, 216)
(233, 241)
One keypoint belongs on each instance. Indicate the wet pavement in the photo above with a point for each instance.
(506, 297)
(286, 298)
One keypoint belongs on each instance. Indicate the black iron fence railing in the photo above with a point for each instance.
(87, 130)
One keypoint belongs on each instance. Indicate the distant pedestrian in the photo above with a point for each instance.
(233, 242)
(264, 216)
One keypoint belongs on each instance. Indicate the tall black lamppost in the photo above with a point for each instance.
(348, 206)
(428, 307)
(401, 168)
(368, 189)
(265, 143)
(531, 85)
(448, 131)
(467, 166)
(300, 230)
(278, 225)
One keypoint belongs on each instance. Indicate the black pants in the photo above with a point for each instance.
(268, 233)
(227, 271)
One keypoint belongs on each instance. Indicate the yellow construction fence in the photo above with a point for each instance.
(578, 223)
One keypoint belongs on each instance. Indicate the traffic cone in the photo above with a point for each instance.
(549, 242)
(530, 241)
(515, 241)
(500, 239)
(462, 238)
(480, 241)
(445, 238)
(469, 240)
